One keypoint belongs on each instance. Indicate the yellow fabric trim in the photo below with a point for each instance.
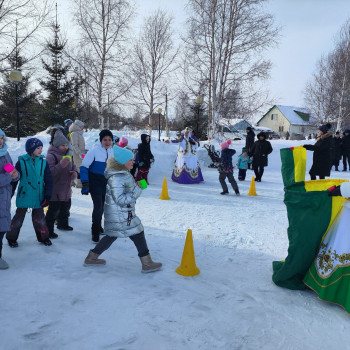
(323, 185)
(299, 155)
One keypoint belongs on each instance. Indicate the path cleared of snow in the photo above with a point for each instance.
(51, 301)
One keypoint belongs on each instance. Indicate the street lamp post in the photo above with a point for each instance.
(16, 77)
(159, 113)
(199, 101)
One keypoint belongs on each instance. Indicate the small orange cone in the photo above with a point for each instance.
(164, 195)
(188, 262)
(252, 191)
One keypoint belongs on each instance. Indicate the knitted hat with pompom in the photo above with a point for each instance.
(225, 144)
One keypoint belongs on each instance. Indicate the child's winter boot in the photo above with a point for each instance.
(3, 264)
(148, 265)
(92, 259)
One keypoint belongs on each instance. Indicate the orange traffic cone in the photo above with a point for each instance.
(252, 191)
(164, 195)
(188, 263)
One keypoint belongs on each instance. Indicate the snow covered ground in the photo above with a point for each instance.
(50, 301)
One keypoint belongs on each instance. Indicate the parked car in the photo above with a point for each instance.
(272, 135)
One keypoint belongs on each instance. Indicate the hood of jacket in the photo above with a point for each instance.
(144, 137)
(57, 152)
(325, 136)
(75, 128)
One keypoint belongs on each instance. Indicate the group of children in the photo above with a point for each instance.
(47, 181)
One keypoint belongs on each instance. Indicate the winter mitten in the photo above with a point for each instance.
(45, 202)
(334, 191)
(85, 188)
(73, 175)
(64, 162)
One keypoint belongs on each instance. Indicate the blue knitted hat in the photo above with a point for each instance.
(32, 144)
(122, 155)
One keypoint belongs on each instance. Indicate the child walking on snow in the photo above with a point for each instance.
(226, 168)
(6, 178)
(242, 163)
(63, 172)
(120, 219)
(34, 191)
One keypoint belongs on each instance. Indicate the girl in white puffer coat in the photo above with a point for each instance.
(120, 219)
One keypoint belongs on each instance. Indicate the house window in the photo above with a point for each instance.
(274, 116)
(280, 128)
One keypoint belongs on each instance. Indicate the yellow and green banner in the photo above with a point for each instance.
(310, 213)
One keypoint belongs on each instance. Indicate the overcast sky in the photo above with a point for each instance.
(308, 31)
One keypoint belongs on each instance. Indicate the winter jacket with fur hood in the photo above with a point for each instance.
(120, 219)
(78, 144)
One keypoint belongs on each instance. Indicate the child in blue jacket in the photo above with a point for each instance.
(34, 191)
(242, 163)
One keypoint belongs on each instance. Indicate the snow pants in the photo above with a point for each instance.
(59, 211)
(2, 234)
(139, 241)
(39, 224)
(231, 179)
(142, 173)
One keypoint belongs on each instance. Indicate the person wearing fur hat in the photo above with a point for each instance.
(7, 178)
(186, 168)
(260, 151)
(345, 147)
(120, 219)
(93, 180)
(78, 144)
(242, 163)
(226, 168)
(322, 157)
(63, 172)
(34, 192)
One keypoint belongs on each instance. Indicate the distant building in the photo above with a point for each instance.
(297, 121)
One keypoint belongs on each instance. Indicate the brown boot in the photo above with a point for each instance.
(92, 259)
(148, 265)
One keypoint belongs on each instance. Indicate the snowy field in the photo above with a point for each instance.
(49, 300)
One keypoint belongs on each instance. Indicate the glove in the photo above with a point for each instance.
(306, 146)
(141, 164)
(64, 162)
(334, 191)
(81, 156)
(73, 175)
(85, 188)
(45, 202)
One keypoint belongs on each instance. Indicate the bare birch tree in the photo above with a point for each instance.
(24, 17)
(104, 25)
(155, 56)
(327, 93)
(224, 46)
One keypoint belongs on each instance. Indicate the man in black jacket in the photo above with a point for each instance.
(260, 150)
(249, 141)
(346, 149)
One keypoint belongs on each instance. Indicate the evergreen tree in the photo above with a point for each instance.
(28, 105)
(59, 104)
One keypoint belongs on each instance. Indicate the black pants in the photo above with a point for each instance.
(231, 179)
(2, 234)
(97, 212)
(39, 224)
(259, 171)
(242, 174)
(59, 211)
(346, 157)
(139, 241)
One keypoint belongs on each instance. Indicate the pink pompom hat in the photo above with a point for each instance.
(225, 144)
(123, 142)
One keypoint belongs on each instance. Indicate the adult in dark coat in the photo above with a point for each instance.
(145, 157)
(336, 150)
(346, 149)
(249, 141)
(322, 158)
(260, 151)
